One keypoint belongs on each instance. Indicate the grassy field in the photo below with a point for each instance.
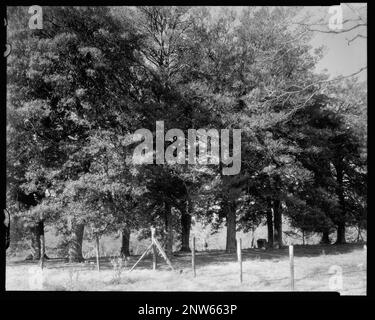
(216, 271)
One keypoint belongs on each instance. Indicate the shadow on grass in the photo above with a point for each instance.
(217, 257)
(203, 258)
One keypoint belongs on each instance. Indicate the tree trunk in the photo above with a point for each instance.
(325, 238)
(359, 235)
(75, 249)
(125, 242)
(252, 243)
(35, 242)
(303, 237)
(185, 228)
(278, 231)
(270, 224)
(42, 243)
(5, 228)
(231, 227)
(169, 229)
(341, 233)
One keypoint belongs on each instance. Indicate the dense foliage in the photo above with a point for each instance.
(93, 75)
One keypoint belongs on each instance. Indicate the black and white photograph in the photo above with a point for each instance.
(186, 149)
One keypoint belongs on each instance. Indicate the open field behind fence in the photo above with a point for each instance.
(315, 269)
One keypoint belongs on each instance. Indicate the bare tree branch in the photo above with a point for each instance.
(341, 31)
(356, 37)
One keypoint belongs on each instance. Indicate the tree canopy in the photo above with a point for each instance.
(92, 76)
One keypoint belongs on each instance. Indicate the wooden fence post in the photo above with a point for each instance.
(239, 256)
(291, 264)
(154, 252)
(193, 257)
(42, 250)
(97, 252)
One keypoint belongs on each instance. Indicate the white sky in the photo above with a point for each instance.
(340, 58)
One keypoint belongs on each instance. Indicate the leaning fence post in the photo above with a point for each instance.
(239, 256)
(193, 257)
(291, 264)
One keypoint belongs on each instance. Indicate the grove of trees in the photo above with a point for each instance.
(92, 75)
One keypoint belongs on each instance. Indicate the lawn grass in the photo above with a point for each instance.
(216, 271)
